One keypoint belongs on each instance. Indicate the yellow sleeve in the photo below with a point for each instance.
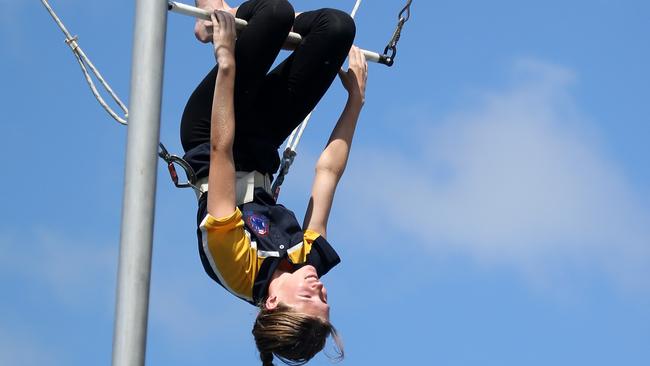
(223, 224)
(229, 251)
(310, 236)
(299, 253)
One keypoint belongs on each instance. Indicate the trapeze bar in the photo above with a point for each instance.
(293, 39)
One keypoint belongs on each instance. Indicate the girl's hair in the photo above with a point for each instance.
(291, 336)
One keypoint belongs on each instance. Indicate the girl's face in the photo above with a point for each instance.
(302, 291)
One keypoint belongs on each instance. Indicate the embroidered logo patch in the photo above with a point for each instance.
(258, 223)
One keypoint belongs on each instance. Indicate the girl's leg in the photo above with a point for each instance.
(295, 86)
(269, 22)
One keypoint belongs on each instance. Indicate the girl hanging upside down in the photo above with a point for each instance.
(231, 130)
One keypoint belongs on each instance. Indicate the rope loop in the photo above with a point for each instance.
(85, 64)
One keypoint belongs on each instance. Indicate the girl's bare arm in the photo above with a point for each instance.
(333, 159)
(221, 179)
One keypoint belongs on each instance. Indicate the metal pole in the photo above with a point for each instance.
(134, 270)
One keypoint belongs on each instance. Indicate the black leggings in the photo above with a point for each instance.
(269, 106)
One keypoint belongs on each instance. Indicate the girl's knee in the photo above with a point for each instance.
(280, 11)
(339, 25)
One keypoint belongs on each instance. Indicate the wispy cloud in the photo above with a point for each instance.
(515, 179)
(17, 348)
(72, 269)
(183, 308)
(76, 273)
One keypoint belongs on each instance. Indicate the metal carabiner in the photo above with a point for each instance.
(171, 160)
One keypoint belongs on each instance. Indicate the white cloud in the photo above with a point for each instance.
(517, 179)
(80, 274)
(183, 308)
(17, 348)
(74, 271)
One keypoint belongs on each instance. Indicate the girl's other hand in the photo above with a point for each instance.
(354, 79)
(203, 28)
(223, 37)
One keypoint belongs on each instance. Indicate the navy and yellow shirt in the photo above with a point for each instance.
(242, 251)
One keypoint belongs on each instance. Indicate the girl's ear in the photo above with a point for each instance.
(271, 302)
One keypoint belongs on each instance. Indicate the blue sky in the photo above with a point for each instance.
(495, 209)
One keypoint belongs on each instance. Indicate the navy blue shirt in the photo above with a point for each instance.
(274, 231)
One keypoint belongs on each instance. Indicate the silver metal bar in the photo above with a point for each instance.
(136, 239)
(293, 39)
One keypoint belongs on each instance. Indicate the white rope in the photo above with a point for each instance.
(354, 10)
(85, 63)
(297, 134)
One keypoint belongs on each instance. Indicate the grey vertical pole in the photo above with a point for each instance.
(134, 270)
